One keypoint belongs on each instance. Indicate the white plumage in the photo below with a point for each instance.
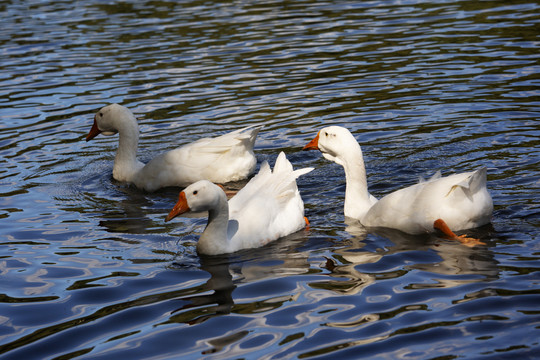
(460, 200)
(225, 158)
(267, 208)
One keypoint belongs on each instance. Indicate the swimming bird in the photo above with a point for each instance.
(268, 207)
(452, 203)
(221, 159)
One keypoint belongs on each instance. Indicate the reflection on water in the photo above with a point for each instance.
(452, 264)
(218, 302)
(88, 266)
(453, 258)
(221, 285)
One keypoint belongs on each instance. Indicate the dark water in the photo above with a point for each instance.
(89, 268)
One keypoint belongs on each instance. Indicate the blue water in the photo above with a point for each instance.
(90, 270)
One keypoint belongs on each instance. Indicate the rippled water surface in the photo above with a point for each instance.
(89, 268)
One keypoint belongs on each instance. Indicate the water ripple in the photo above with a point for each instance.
(89, 267)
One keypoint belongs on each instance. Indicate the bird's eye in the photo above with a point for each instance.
(100, 114)
(325, 133)
(195, 192)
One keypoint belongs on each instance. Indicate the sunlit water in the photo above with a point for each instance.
(89, 268)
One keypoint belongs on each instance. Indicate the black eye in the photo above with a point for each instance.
(100, 114)
(195, 192)
(325, 134)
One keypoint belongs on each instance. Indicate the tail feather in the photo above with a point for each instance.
(282, 165)
(278, 183)
(303, 171)
(473, 183)
(253, 186)
(223, 143)
(284, 182)
(478, 179)
(249, 134)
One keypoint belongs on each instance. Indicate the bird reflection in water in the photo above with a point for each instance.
(214, 298)
(454, 263)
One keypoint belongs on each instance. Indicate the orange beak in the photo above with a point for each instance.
(313, 144)
(93, 132)
(180, 207)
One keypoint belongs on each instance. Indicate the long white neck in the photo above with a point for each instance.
(214, 239)
(357, 197)
(125, 162)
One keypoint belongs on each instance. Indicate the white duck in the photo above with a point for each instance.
(452, 203)
(225, 158)
(267, 208)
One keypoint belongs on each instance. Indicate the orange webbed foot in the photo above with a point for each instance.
(307, 222)
(470, 242)
(439, 224)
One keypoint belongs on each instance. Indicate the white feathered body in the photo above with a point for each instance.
(462, 200)
(222, 159)
(268, 207)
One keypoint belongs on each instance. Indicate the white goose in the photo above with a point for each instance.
(452, 203)
(225, 158)
(267, 208)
